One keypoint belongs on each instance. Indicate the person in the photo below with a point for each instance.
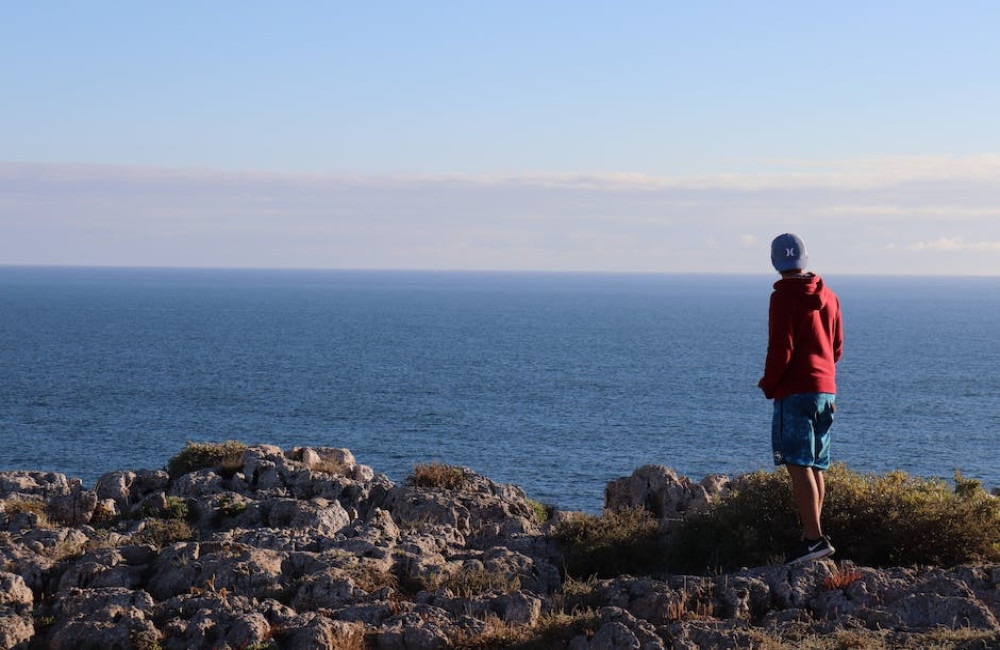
(805, 341)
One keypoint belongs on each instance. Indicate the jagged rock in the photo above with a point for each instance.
(32, 484)
(129, 489)
(215, 620)
(320, 515)
(108, 567)
(352, 554)
(329, 589)
(423, 628)
(16, 600)
(720, 635)
(16, 630)
(326, 459)
(74, 508)
(310, 631)
(14, 593)
(619, 630)
(662, 492)
(101, 618)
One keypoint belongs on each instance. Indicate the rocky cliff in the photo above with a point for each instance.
(305, 548)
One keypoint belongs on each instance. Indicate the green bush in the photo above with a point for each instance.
(164, 532)
(616, 542)
(888, 520)
(437, 475)
(224, 456)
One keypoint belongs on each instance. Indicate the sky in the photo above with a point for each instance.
(519, 135)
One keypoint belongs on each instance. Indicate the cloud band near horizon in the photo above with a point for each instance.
(912, 215)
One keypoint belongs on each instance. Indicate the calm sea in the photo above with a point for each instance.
(556, 382)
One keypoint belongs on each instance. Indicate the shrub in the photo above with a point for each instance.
(224, 456)
(616, 542)
(164, 532)
(177, 508)
(437, 475)
(888, 520)
(541, 511)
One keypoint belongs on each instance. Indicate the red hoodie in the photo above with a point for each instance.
(805, 338)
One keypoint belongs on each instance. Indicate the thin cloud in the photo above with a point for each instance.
(951, 244)
(854, 214)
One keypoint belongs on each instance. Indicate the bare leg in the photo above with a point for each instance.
(821, 488)
(808, 489)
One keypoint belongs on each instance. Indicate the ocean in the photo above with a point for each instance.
(555, 382)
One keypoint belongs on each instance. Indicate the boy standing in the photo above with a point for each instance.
(805, 340)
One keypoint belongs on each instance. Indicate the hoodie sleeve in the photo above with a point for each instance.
(838, 333)
(780, 345)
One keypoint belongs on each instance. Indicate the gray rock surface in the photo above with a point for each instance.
(309, 549)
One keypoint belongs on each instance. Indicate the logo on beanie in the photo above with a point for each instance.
(791, 252)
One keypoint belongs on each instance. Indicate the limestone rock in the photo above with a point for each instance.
(662, 492)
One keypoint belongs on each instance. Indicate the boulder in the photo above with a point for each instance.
(662, 492)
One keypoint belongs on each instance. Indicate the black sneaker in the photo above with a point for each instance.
(813, 550)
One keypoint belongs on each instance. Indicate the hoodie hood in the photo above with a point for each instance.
(807, 290)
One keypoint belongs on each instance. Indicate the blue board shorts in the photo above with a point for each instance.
(800, 429)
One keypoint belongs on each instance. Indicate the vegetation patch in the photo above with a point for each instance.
(551, 631)
(19, 506)
(541, 511)
(438, 475)
(874, 520)
(224, 457)
(476, 581)
(177, 508)
(371, 577)
(164, 532)
(614, 543)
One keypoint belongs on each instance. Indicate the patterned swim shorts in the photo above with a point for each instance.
(800, 429)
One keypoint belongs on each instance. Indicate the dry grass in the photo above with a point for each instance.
(469, 583)
(437, 475)
(551, 631)
(843, 576)
(371, 577)
(225, 457)
(30, 505)
(962, 639)
(692, 605)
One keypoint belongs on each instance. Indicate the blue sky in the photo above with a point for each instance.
(628, 136)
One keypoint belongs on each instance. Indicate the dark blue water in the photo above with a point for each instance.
(555, 382)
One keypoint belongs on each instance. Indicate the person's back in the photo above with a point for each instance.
(804, 337)
(805, 341)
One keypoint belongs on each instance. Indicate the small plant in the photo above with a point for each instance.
(541, 512)
(225, 457)
(437, 475)
(690, 606)
(623, 541)
(43, 622)
(843, 576)
(164, 532)
(177, 508)
(227, 507)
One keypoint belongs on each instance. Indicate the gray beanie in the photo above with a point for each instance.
(788, 252)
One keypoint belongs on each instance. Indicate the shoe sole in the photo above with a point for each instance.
(815, 555)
